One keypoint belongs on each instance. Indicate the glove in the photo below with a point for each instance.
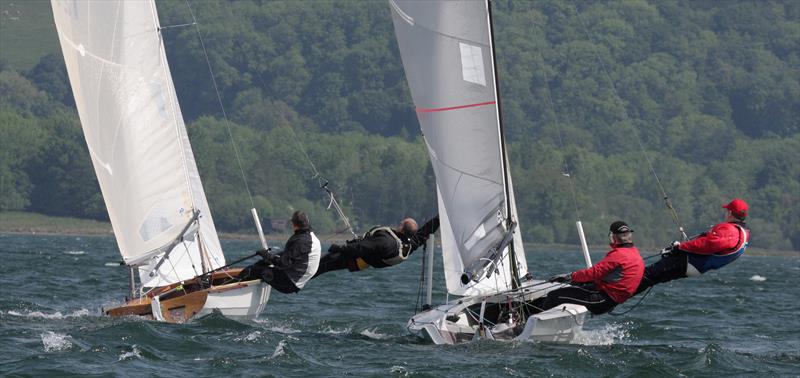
(264, 253)
(562, 278)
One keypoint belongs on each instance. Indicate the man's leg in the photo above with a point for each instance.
(252, 272)
(330, 262)
(596, 301)
(668, 268)
(281, 282)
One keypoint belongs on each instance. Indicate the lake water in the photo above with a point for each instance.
(741, 321)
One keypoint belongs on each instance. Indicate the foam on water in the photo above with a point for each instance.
(286, 330)
(250, 337)
(75, 252)
(398, 370)
(373, 334)
(135, 352)
(279, 350)
(335, 331)
(55, 342)
(56, 315)
(607, 335)
(758, 278)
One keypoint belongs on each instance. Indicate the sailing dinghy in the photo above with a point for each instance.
(141, 154)
(448, 56)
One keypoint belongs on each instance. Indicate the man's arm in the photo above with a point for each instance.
(421, 236)
(721, 237)
(293, 250)
(596, 272)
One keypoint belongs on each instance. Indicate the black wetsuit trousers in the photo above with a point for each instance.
(596, 301)
(668, 268)
(274, 277)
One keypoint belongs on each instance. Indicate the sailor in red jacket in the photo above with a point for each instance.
(720, 246)
(608, 283)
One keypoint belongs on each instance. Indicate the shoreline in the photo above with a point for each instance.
(25, 223)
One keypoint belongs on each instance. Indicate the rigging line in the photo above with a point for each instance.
(627, 120)
(222, 107)
(567, 171)
(323, 184)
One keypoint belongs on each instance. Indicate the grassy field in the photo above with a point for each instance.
(27, 32)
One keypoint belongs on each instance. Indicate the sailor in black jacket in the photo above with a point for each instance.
(289, 270)
(380, 247)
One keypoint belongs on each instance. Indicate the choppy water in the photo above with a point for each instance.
(740, 321)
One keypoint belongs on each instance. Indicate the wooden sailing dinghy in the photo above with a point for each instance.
(135, 133)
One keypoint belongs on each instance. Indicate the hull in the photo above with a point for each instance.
(488, 317)
(179, 303)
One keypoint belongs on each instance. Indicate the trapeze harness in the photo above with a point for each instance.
(699, 264)
(402, 248)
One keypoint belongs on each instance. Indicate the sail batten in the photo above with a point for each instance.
(446, 50)
(136, 136)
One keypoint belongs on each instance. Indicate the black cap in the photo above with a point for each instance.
(619, 227)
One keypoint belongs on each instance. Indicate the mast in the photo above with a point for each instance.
(504, 158)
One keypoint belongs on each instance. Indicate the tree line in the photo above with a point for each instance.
(711, 88)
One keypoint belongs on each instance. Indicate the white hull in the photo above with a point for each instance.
(241, 303)
(460, 320)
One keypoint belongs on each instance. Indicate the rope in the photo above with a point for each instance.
(634, 306)
(323, 185)
(626, 119)
(222, 107)
(421, 281)
(566, 172)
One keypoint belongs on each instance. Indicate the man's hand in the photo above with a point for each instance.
(264, 253)
(562, 278)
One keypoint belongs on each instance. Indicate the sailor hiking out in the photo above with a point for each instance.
(719, 246)
(606, 284)
(380, 247)
(289, 270)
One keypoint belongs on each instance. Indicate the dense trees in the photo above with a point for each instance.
(712, 88)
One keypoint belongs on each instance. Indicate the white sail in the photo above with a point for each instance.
(136, 137)
(448, 60)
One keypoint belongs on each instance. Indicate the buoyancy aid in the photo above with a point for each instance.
(699, 264)
(402, 248)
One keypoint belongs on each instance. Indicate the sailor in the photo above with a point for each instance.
(606, 284)
(380, 247)
(717, 247)
(289, 270)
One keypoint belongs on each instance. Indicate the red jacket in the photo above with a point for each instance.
(720, 239)
(618, 274)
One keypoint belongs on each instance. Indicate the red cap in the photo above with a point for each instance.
(737, 207)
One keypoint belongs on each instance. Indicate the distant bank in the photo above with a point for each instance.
(20, 222)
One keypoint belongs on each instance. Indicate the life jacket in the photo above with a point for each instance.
(699, 264)
(402, 248)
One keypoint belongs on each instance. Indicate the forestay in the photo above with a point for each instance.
(448, 60)
(136, 136)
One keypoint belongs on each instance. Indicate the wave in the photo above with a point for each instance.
(373, 334)
(757, 278)
(279, 350)
(75, 252)
(56, 315)
(135, 352)
(607, 335)
(56, 342)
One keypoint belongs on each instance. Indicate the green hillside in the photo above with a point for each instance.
(26, 33)
(713, 88)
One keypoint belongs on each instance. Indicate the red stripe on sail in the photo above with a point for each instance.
(431, 110)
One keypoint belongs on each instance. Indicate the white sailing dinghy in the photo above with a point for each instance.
(447, 53)
(140, 150)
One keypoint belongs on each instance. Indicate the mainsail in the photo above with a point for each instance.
(137, 139)
(447, 54)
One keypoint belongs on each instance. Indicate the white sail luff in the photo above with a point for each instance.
(135, 134)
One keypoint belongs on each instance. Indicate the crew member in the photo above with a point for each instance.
(289, 270)
(380, 247)
(717, 247)
(606, 284)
